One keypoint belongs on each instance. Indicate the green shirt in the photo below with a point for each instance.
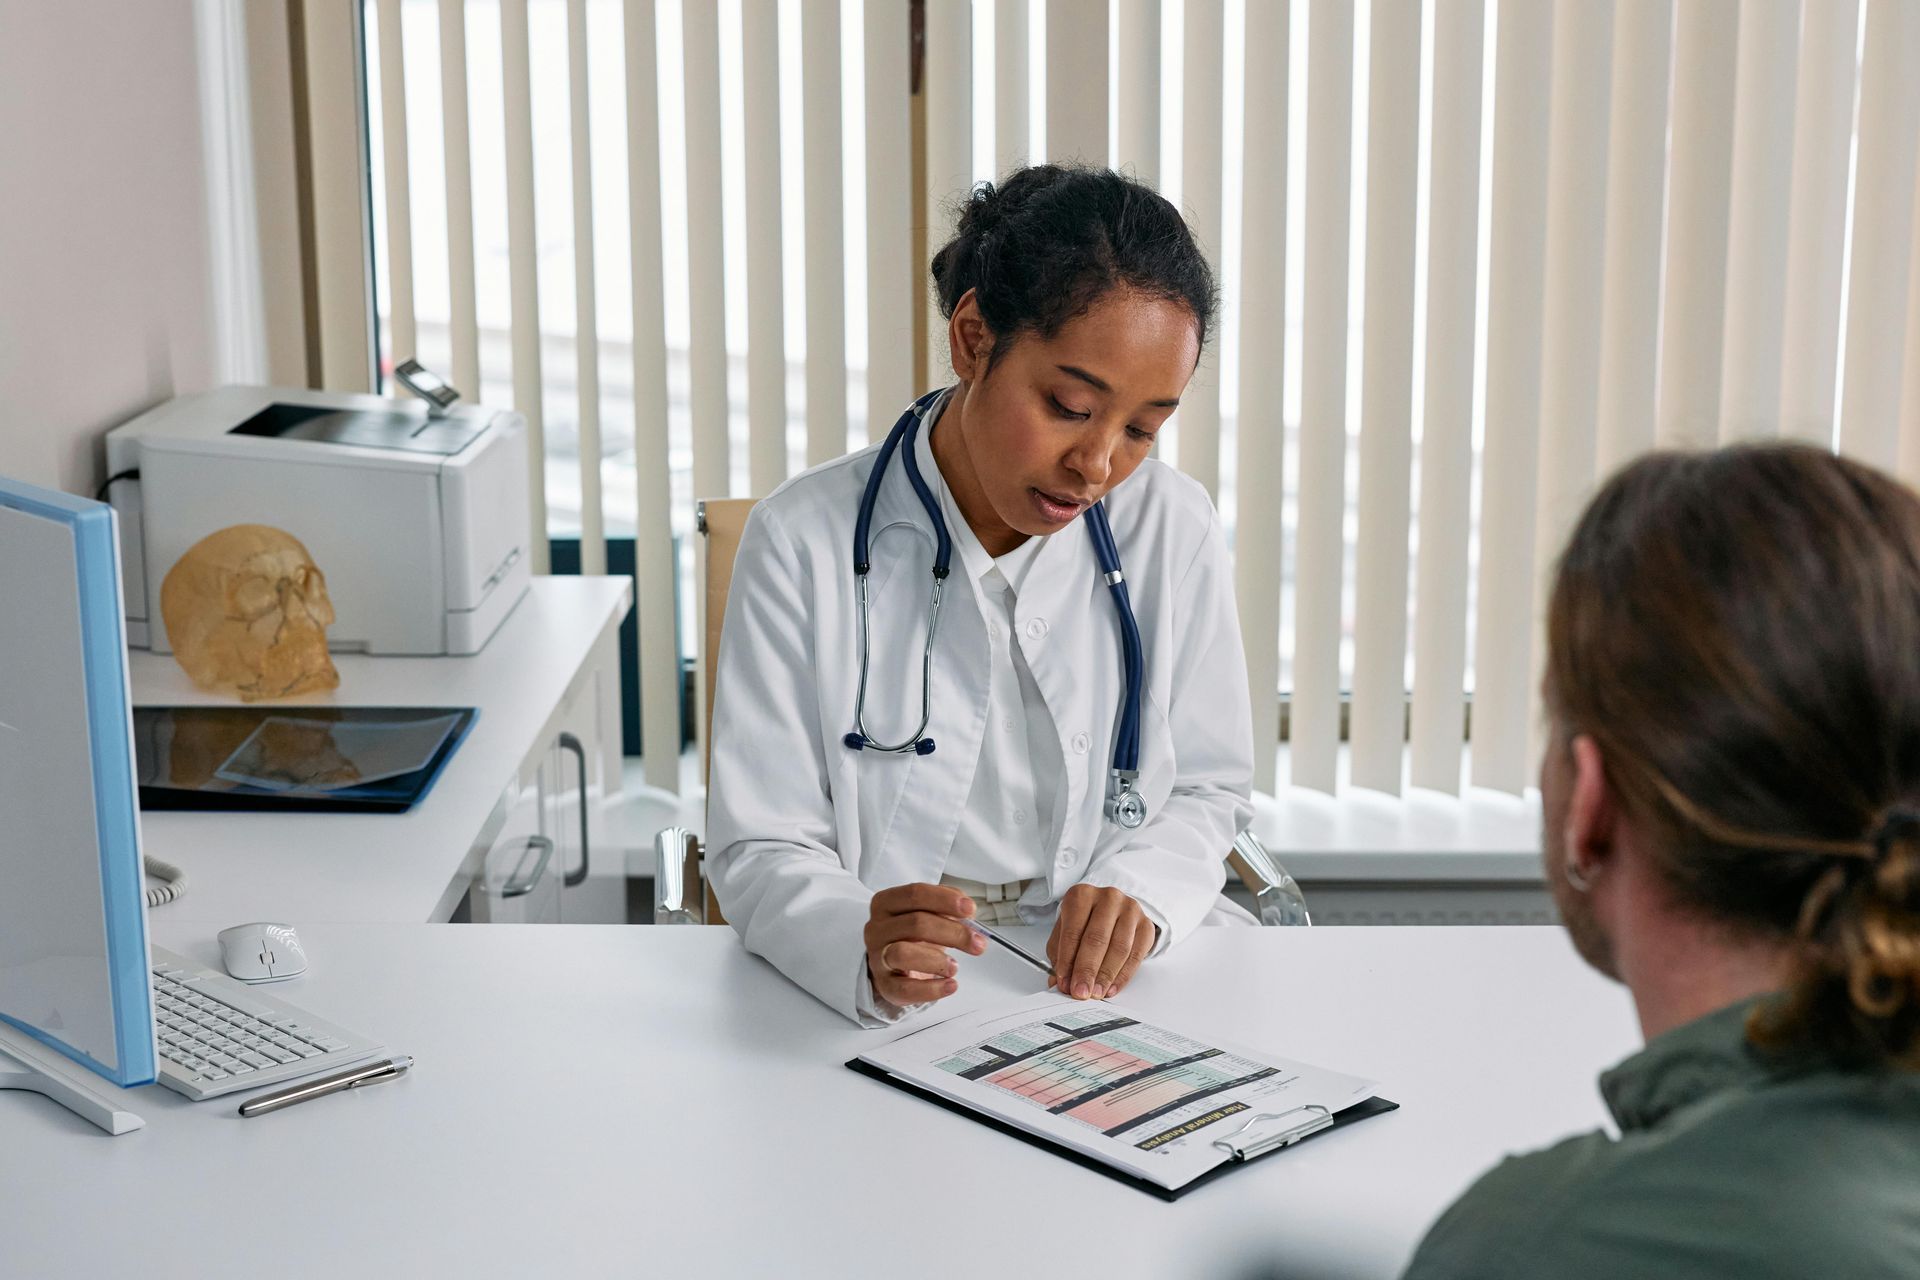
(1729, 1162)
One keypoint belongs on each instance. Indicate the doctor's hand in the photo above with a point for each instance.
(909, 929)
(1099, 939)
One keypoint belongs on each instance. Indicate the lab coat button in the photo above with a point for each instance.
(1037, 628)
(1081, 743)
(1067, 855)
(1019, 817)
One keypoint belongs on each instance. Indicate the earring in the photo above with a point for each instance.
(1577, 877)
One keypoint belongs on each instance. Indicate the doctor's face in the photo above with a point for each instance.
(1060, 421)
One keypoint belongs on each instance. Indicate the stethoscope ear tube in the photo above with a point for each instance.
(943, 546)
(916, 742)
(903, 432)
(863, 519)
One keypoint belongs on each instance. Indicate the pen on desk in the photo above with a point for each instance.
(351, 1078)
(1014, 947)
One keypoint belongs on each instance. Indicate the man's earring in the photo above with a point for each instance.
(1577, 877)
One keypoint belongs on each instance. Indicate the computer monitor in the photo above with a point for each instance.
(75, 986)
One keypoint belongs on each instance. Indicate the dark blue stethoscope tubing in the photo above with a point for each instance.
(863, 519)
(1127, 756)
(943, 550)
(1126, 751)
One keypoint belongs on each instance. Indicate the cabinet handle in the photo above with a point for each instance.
(570, 743)
(519, 885)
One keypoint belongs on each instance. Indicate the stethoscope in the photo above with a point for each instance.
(1124, 805)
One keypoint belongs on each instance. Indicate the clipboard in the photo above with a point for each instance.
(1260, 1136)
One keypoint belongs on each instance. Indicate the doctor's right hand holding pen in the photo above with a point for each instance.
(909, 929)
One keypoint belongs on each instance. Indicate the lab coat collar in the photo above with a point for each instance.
(974, 558)
(966, 546)
(896, 502)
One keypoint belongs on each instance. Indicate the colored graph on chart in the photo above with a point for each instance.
(1157, 1093)
(1068, 1072)
(1108, 1073)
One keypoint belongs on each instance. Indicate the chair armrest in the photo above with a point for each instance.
(1278, 898)
(677, 892)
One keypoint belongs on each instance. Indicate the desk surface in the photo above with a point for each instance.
(409, 867)
(598, 1099)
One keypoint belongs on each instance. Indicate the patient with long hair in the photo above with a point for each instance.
(1731, 795)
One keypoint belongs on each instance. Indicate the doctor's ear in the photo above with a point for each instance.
(969, 340)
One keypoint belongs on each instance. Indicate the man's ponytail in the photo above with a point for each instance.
(1856, 971)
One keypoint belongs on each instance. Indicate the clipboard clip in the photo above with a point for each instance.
(1320, 1118)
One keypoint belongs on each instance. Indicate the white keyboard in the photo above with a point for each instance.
(218, 1035)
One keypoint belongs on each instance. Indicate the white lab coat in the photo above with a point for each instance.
(802, 830)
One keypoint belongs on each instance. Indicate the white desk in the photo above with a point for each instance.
(570, 1114)
(410, 867)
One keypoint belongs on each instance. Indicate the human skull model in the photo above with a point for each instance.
(247, 612)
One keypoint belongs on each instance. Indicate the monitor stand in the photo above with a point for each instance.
(27, 1064)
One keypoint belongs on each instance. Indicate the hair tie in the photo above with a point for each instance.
(1897, 823)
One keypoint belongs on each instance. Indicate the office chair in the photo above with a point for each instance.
(681, 894)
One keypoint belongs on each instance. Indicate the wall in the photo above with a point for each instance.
(105, 304)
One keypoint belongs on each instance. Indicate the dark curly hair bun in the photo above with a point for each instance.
(1049, 242)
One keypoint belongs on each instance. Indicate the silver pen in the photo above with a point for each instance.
(1014, 947)
(351, 1078)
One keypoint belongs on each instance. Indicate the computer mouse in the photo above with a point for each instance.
(262, 952)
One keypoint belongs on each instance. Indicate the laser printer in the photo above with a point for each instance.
(416, 512)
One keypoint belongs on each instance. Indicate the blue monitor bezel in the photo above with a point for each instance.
(116, 812)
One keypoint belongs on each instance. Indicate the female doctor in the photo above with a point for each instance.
(954, 577)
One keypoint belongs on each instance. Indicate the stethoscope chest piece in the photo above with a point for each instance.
(1124, 805)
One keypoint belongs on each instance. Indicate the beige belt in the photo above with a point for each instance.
(994, 904)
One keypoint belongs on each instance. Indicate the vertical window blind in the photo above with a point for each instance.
(1474, 255)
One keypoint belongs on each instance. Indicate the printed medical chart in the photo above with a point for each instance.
(1105, 1081)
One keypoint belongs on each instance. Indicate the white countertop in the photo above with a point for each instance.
(631, 1100)
(409, 867)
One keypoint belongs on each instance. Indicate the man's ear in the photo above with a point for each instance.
(1593, 810)
(968, 339)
